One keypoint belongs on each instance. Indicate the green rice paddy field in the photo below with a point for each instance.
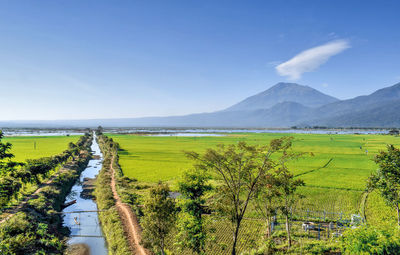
(336, 188)
(23, 147)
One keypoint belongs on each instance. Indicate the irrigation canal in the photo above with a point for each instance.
(82, 217)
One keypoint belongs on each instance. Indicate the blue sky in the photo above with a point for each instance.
(110, 59)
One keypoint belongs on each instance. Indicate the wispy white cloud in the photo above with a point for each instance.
(311, 59)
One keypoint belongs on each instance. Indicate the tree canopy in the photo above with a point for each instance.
(239, 169)
(387, 177)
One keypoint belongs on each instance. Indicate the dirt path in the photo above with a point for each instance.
(129, 219)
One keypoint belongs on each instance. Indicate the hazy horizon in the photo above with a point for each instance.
(96, 59)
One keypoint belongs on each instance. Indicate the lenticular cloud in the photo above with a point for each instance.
(311, 59)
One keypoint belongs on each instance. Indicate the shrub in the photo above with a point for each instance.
(371, 240)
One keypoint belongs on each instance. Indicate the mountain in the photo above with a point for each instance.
(282, 105)
(345, 113)
(284, 92)
(375, 99)
(385, 115)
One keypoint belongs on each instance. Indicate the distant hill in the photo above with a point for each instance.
(284, 92)
(359, 103)
(282, 105)
(356, 111)
(384, 115)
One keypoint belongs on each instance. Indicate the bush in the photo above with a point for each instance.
(371, 240)
(23, 234)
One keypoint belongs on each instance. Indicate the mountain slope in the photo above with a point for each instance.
(384, 115)
(281, 115)
(361, 103)
(270, 109)
(284, 92)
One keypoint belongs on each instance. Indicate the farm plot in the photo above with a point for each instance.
(33, 147)
(334, 167)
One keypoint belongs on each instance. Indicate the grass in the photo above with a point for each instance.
(337, 186)
(23, 147)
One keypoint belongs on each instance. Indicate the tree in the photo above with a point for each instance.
(6, 164)
(239, 169)
(278, 190)
(387, 177)
(9, 185)
(39, 167)
(268, 200)
(159, 217)
(74, 149)
(192, 232)
(287, 187)
(99, 130)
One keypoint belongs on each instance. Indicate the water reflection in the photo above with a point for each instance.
(85, 227)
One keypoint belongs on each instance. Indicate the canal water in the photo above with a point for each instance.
(85, 227)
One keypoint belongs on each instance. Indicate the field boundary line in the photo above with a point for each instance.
(326, 187)
(316, 169)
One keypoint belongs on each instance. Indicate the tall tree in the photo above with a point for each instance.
(192, 232)
(6, 164)
(159, 217)
(288, 186)
(239, 169)
(387, 177)
(278, 190)
(9, 184)
(268, 200)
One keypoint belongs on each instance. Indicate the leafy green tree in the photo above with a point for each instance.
(268, 200)
(239, 169)
(192, 232)
(287, 186)
(74, 149)
(387, 177)
(278, 190)
(6, 164)
(159, 217)
(9, 184)
(39, 167)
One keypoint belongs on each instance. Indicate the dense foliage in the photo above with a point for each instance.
(159, 217)
(371, 240)
(37, 228)
(192, 232)
(14, 175)
(387, 177)
(9, 184)
(240, 170)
